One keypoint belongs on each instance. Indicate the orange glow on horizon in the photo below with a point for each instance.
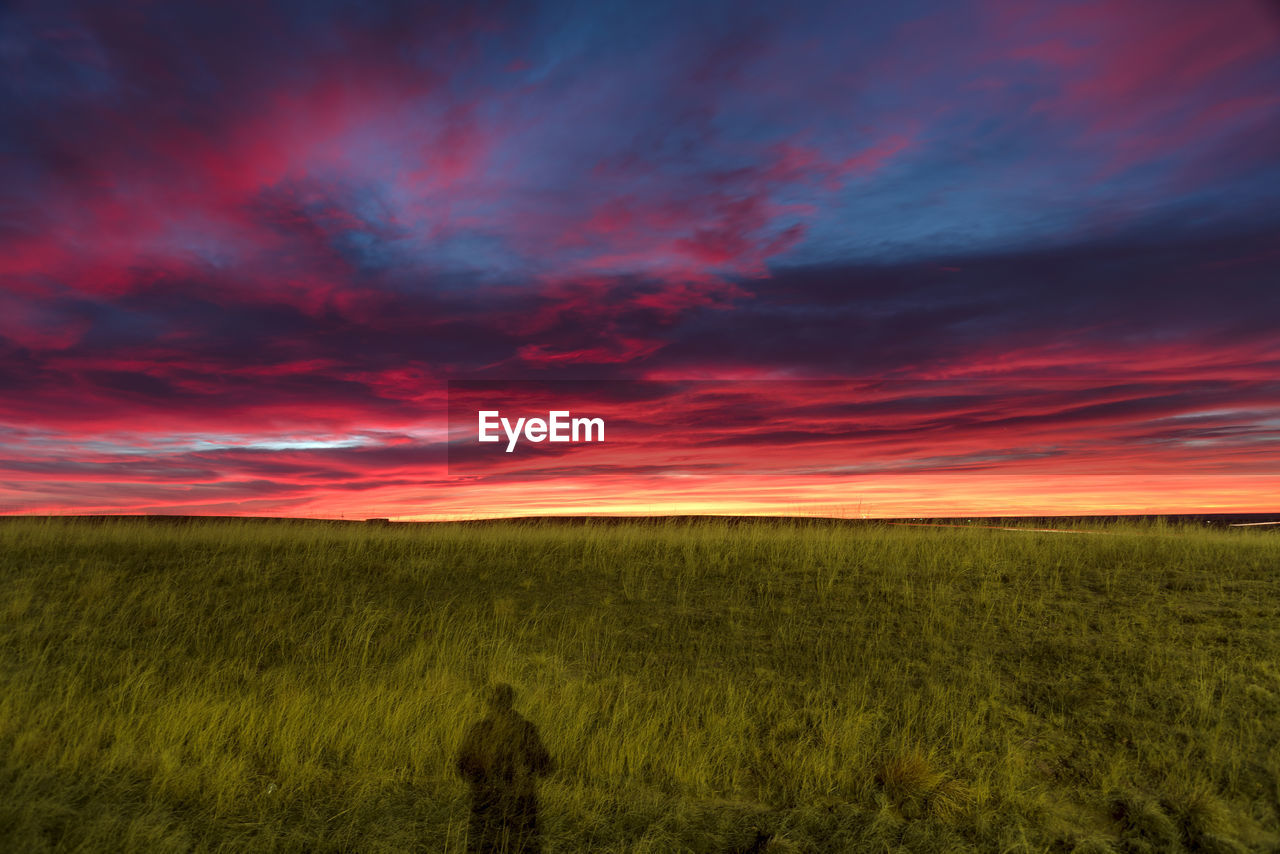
(884, 498)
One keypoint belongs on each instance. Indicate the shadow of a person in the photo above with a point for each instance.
(501, 758)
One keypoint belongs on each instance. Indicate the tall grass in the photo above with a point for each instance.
(282, 687)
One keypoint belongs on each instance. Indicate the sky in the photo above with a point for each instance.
(881, 259)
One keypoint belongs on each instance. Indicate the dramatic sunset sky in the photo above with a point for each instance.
(888, 259)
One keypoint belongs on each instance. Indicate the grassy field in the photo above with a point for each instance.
(242, 686)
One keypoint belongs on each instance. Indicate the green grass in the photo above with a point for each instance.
(242, 686)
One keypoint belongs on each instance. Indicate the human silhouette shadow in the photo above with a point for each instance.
(501, 758)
